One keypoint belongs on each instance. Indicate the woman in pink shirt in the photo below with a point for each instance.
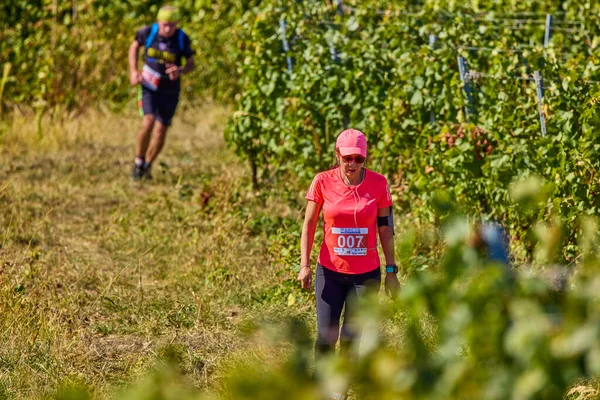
(356, 206)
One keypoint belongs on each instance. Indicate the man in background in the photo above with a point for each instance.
(165, 45)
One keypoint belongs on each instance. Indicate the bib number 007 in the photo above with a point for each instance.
(350, 241)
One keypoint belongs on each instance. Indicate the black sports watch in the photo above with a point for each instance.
(391, 268)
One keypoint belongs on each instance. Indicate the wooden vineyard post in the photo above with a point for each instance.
(336, 59)
(334, 54)
(432, 40)
(464, 77)
(286, 46)
(539, 86)
(548, 30)
(340, 7)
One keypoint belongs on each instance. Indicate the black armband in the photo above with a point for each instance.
(383, 221)
(387, 221)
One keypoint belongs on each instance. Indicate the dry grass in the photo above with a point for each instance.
(584, 391)
(99, 275)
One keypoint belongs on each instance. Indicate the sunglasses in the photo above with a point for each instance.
(356, 159)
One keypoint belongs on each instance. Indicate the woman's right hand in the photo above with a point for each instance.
(305, 277)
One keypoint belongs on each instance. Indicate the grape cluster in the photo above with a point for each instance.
(478, 136)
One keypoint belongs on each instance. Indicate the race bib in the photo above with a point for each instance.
(150, 78)
(350, 241)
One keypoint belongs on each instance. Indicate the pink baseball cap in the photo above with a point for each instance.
(352, 141)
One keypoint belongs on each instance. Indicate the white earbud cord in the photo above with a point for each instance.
(356, 204)
(354, 190)
(355, 195)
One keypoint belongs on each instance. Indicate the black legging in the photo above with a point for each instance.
(332, 291)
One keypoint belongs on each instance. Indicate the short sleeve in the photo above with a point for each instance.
(187, 47)
(142, 35)
(315, 192)
(385, 199)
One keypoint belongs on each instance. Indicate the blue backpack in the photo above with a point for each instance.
(154, 32)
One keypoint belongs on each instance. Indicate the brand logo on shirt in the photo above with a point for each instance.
(368, 196)
(162, 56)
(162, 46)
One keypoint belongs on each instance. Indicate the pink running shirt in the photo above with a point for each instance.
(350, 216)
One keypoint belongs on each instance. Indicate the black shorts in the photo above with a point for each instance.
(161, 105)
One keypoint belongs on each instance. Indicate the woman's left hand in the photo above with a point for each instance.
(392, 286)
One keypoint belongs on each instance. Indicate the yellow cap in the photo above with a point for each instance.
(168, 14)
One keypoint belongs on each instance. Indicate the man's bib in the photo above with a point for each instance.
(150, 78)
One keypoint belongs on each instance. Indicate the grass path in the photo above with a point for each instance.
(101, 276)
